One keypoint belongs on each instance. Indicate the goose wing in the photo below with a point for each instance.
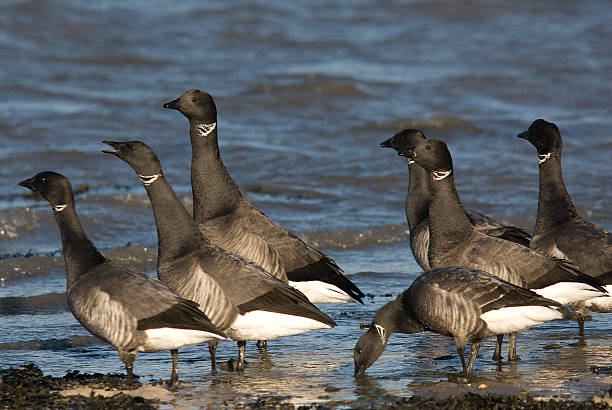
(112, 302)
(239, 239)
(493, 227)
(489, 292)
(301, 261)
(443, 300)
(584, 243)
(249, 287)
(454, 298)
(520, 265)
(189, 279)
(419, 243)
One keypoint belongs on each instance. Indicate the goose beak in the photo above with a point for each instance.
(524, 135)
(407, 152)
(27, 183)
(113, 144)
(387, 143)
(172, 105)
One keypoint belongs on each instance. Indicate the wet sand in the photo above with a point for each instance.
(27, 387)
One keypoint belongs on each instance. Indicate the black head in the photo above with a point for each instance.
(431, 154)
(196, 105)
(54, 187)
(368, 349)
(403, 139)
(137, 154)
(544, 136)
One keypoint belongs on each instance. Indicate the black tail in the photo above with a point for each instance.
(326, 270)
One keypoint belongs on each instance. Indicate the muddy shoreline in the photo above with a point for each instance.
(27, 387)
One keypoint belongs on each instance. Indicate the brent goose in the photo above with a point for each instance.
(454, 241)
(417, 204)
(229, 221)
(559, 231)
(128, 309)
(463, 303)
(240, 297)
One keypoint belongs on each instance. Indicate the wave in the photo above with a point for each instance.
(436, 123)
(52, 344)
(143, 257)
(49, 303)
(300, 89)
(111, 60)
(604, 146)
(357, 238)
(18, 266)
(265, 189)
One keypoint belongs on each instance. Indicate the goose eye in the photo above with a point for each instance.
(358, 351)
(428, 147)
(193, 99)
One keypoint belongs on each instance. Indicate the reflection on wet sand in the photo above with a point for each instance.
(413, 364)
(303, 377)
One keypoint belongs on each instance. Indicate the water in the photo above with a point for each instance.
(305, 93)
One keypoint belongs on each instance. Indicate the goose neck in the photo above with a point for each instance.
(80, 255)
(214, 191)
(447, 219)
(417, 199)
(176, 232)
(554, 203)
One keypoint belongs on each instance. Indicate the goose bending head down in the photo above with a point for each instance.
(463, 303)
(128, 309)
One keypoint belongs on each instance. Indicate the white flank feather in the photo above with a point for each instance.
(262, 325)
(569, 292)
(601, 304)
(513, 319)
(166, 338)
(321, 292)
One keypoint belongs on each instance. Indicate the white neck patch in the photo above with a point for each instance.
(58, 208)
(205, 129)
(382, 332)
(410, 161)
(543, 158)
(148, 179)
(440, 175)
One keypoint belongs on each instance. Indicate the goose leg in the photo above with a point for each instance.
(580, 320)
(497, 354)
(241, 347)
(262, 345)
(461, 350)
(473, 354)
(128, 361)
(512, 348)
(212, 349)
(174, 376)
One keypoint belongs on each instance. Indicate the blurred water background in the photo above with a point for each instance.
(305, 91)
